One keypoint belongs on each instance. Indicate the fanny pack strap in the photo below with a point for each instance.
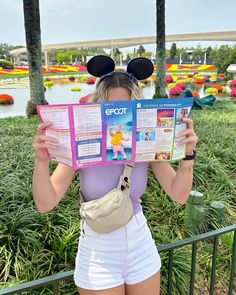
(125, 178)
(124, 182)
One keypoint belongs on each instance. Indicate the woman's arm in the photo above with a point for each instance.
(48, 190)
(178, 184)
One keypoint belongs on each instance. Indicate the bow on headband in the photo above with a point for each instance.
(138, 68)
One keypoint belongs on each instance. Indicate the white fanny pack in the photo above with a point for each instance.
(111, 211)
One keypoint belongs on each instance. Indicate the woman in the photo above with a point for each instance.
(124, 261)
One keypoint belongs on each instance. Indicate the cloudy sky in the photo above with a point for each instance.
(80, 20)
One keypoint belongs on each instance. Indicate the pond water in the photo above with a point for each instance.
(57, 94)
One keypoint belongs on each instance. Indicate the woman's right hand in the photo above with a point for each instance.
(43, 142)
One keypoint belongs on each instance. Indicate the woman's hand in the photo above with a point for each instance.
(190, 137)
(43, 142)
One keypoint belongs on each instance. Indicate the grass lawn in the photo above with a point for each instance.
(33, 245)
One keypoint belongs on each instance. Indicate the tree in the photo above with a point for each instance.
(33, 44)
(223, 57)
(141, 50)
(173, 51)
(117, 54)
(198, 52)
(63, 57)
(160, 90)
(208, 51)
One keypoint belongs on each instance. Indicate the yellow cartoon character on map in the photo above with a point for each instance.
(116, 142)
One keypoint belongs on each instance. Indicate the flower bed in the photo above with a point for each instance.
(6, 99)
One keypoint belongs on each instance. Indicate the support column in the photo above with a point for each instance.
(46, 58)
(112, 53)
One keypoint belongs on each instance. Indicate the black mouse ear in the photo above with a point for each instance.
(100, 65)
(140, 67)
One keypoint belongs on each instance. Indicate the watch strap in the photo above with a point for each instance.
(190, 157)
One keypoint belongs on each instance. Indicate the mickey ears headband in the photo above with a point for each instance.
(100, 65)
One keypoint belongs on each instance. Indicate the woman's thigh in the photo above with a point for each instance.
(120, 290)
(150, 286)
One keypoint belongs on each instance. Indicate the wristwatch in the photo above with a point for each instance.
(190, 157)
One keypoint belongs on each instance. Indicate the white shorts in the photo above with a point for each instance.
(125, 256)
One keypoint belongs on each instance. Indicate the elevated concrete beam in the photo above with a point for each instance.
(134, 41)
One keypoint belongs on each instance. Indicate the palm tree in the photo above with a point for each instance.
(160, 50)
(33, 43)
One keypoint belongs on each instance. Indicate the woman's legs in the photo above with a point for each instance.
(120, 290)
(150, 286)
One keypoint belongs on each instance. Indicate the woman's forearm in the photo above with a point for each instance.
(182, 182)
(44, 195)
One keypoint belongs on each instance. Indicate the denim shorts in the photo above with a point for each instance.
(125, 256)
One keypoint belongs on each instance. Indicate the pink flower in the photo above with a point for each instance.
(169, 79)
(175, 90)
(232, 84)
(233, 93)
(91, 80)
(84, 99)
(181, 85)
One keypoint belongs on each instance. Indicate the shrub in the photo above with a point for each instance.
(83, 79)
(196, 94)
(72, 78)
(218, 87)
(171, 85)
(233, 93)
(142, 85)
(6, 99)
(6, 64)
(199, 80)
(211, 90)
(232, 84)
(221, 76)
(91, 80)
(168, 79)
(48, 83)
(75, 89)
(175, 90)
(181, 85)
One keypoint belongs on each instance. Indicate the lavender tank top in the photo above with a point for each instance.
(98, 180)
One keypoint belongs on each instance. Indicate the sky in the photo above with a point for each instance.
(81, 20)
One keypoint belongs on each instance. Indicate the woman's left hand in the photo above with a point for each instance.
(190, 137)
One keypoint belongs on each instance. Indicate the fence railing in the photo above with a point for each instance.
(54, 280)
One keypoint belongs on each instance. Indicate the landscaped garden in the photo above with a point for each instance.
(34, 245)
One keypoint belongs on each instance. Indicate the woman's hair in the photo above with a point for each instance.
(119, 79)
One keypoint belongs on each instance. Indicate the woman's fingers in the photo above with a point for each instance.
(41, 138)
(185, 132)
(189, 122)
(42, 126)
(38, 146)
(191, 139)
